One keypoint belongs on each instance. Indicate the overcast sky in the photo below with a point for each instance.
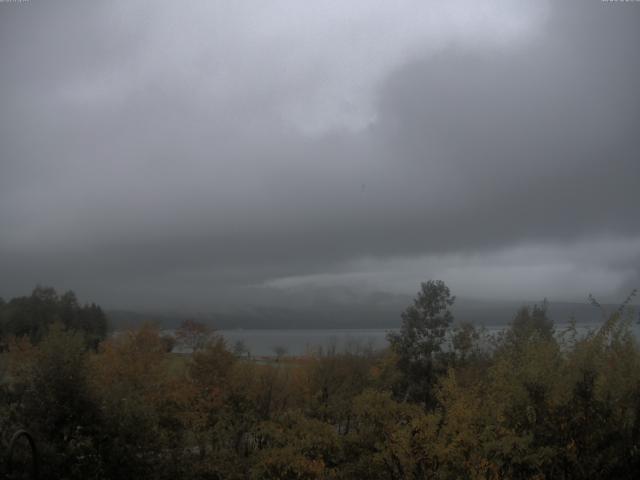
(169, 153)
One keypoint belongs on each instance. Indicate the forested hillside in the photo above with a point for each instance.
(363, 311)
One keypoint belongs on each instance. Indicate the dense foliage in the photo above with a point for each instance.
(445, 401)
(32, 316)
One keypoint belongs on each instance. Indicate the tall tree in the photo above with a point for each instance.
(419, 344)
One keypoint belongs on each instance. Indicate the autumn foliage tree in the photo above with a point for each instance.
(193, 335)
(445, 401)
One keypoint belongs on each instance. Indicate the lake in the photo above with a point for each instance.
(300, 341)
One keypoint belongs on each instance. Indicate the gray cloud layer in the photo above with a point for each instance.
(165, 154)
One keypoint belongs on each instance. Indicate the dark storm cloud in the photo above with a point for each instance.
(143, 154)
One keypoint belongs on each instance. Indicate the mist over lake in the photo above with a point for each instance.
(300, 342)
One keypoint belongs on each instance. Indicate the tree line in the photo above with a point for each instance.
(445, 400)
(31, 316)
